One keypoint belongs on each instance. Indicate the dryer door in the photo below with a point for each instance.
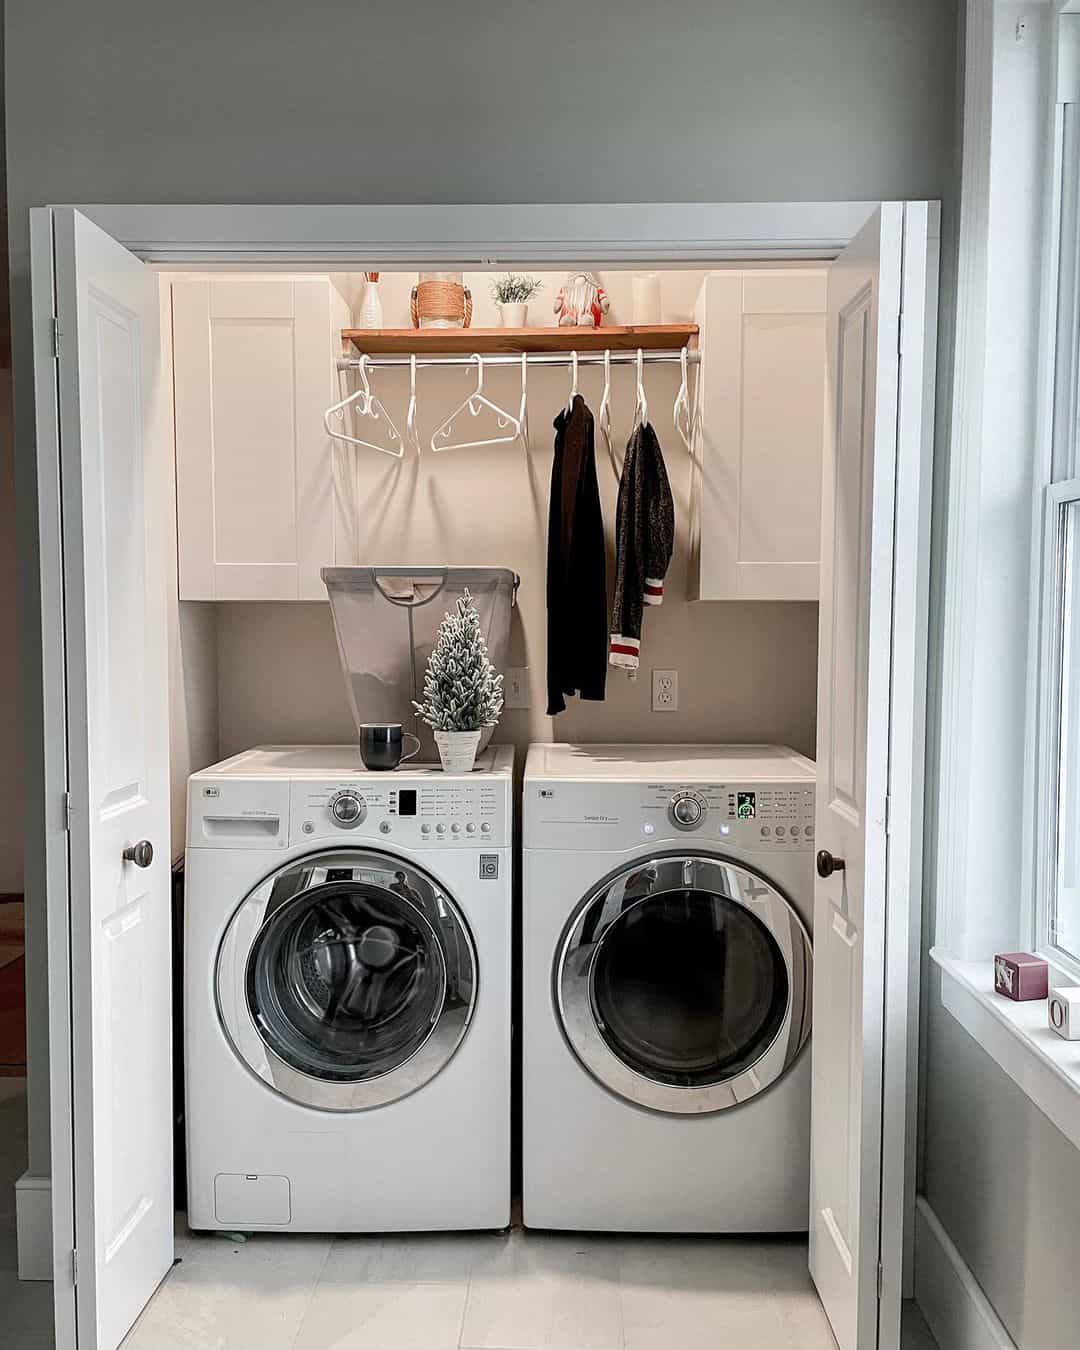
(346, 980)
(684, 984)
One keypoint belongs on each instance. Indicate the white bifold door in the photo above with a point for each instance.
(116, 1088)
(871, 684)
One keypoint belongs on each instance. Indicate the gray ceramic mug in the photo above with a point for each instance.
(381, 745)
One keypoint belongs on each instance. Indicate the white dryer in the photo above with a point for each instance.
(668, 894)
(347, 994)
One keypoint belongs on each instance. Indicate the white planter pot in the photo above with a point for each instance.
(513, 316)
(457, 750)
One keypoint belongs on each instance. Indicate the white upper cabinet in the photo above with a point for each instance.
(260, 499)
(757, 497)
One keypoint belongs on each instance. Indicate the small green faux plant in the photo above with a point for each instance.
(514, 289)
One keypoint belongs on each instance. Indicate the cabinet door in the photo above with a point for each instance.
(257, 511)
(758, 493)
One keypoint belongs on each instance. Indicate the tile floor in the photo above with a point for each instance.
(519, 1291)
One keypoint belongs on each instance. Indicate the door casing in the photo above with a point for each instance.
(341, 237)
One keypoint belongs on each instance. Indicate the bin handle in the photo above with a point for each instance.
(440, 572)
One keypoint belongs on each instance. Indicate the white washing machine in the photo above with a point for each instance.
(668, 895)
(347, 994)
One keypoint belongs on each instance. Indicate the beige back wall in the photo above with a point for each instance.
(747, 671)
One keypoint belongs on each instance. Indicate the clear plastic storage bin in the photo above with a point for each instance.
(386, 619)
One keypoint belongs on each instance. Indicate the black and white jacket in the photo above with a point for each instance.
(644, 539)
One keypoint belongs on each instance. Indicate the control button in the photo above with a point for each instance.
(384, 827)
(347, 808)
(648, 828)
(687, 812)
(308, 827)
(808, 830)
(470, 828)
(485, 828)
(440, 829)
(780, 830)
(425, 829)
(455, 828)
(765, 831)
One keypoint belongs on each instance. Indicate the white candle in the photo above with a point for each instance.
(646, 290)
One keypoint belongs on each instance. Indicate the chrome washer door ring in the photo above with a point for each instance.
(684, 984)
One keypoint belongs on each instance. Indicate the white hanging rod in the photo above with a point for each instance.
(622, 358)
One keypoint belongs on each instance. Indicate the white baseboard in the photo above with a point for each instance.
(948, 1294)
(33, 1210)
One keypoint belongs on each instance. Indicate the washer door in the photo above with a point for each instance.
(346, 980)
(684, 984)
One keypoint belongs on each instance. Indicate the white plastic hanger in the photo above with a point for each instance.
(573, 380)
(523, 407)
(641, 408)
(603, 417)
(411, 429)
(367, 405)
(682, 414)
(475, 403)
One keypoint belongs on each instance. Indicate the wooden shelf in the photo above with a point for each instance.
(617, 338)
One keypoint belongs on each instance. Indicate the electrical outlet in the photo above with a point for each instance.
(665, 691)
(516, 687)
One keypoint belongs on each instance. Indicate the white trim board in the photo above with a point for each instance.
(948, 1294)
(677, 233)
(33, 1222)
(1016, 1036)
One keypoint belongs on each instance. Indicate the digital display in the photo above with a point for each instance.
(746, 805)
(406, 802)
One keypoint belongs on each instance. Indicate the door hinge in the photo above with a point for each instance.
(900, 333)
(68, 810)
(74, 1266)
(880, 1281)
(888, 814)
(56, 338)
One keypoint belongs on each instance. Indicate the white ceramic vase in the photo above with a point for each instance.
(513, 316)
(457, 750)
(371, 311)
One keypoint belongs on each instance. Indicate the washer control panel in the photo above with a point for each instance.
(414, 813)
(688, 810)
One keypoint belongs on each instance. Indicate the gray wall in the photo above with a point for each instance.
(480, 101)
(1005, 1184)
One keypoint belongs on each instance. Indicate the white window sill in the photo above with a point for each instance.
(1016, 1035)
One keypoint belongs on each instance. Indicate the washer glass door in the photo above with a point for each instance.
(346, 980)
(684, 984)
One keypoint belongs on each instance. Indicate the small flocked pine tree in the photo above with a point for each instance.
(462, 691)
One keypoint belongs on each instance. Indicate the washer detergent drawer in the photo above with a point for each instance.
(247, 1198)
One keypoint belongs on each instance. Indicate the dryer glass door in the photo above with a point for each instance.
(684, 984)
(357, 975)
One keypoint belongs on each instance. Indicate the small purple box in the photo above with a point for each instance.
(1020, 976)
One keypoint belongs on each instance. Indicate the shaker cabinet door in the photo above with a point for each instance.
(258, 501)
(758, 484)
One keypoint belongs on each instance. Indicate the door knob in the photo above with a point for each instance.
(141, 854)
(827, 864)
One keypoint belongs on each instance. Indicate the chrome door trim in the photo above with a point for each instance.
(434, 910)
(630, 886)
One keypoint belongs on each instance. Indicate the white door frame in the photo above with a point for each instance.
(357, 237)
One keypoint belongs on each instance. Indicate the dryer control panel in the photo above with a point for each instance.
(754, 816)
(417, 813)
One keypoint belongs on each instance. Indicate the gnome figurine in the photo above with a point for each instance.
(582, 301)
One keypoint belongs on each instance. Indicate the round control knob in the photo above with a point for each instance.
(687, 812)
(348, 809)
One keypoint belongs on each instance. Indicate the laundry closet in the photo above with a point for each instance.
(365, 951)
(265, 498)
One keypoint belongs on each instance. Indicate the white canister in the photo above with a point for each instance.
(646, 293)
(457, 750)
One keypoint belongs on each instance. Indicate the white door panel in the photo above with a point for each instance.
(855, 657)
(115, 622)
